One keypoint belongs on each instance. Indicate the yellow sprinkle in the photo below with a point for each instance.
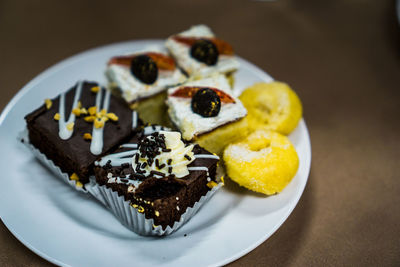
(48, 103)
(104, 119)
(154, 226)
(79, 184)
(157, 213)
(87, 136)
(57, 116)
(95, 89)
(70, 126)
(74, 177)
(98, 123)
(112, 116)
(76, 111)
(90, 118)
(222, 179)
(103, 112)
(84, 111)
(140, 209)
(211, 184)
(134, 105)
(79, 104)
(134, 205)
(92, 110)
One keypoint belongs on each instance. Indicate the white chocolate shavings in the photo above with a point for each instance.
(171, 160)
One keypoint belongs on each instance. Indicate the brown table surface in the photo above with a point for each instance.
(342, 57)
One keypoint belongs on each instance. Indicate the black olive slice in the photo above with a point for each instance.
(205, 51)
(206, 103)
(144, 68)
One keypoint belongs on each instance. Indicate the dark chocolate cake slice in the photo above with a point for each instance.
(178, 176)
(78, 126)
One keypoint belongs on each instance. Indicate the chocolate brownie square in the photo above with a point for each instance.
(79, 126)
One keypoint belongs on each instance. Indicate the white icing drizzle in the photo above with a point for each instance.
(134, 119)
(198, 169)
(63, 132)
(96, 146)
(129, 145)
(117, 159)
(206, 156)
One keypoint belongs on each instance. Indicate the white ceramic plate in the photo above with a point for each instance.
(70, 228)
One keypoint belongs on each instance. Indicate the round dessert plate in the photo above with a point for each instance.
(70, 228)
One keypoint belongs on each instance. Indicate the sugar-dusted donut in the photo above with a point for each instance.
(273, 106)
(264, 162)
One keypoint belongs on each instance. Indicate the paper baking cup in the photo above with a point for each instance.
(24, 137)
(136, 221)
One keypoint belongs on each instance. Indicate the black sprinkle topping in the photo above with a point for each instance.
(138, 168)
(169, 161)
(139, 176)
(169, 169)
(124, 180)
(188, 157)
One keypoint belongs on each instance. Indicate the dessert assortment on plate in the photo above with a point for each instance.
(149, 145)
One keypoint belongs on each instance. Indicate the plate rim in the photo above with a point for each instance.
(71, 60)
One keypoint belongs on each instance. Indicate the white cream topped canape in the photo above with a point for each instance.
(201, 106)
(200, 53)
(143, 74)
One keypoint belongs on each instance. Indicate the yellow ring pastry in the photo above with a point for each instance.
(264, 162)
(273, 106)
